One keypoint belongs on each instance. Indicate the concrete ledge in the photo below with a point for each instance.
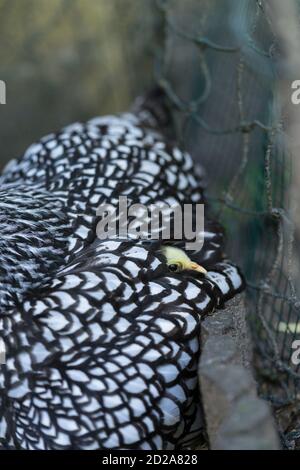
(235, 417)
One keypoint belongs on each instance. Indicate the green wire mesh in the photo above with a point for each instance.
(217, 64)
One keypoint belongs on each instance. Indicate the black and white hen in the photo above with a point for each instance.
(102, 340)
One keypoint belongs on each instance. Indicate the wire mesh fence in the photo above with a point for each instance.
(229, 116)
(218, 62)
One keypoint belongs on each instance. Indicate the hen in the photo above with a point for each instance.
(101, 338)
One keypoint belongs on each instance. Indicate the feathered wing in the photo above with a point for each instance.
(86, 165)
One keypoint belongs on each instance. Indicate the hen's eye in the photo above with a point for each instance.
(174, 267)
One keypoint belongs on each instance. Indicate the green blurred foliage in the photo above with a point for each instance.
(66, 60)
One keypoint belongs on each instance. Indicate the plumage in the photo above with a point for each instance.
(102, 339)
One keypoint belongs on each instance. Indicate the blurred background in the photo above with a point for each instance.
(220, 63)
(66, 60)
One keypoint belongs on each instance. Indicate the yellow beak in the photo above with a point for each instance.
(197, 267)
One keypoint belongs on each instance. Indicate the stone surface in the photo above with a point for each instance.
(236, 418)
